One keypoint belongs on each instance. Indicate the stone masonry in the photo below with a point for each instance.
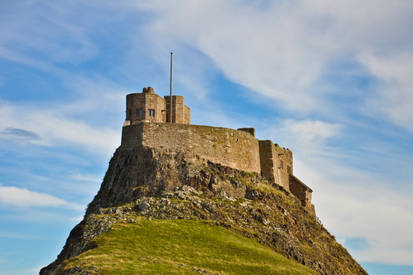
(147, 124)
(150, 107)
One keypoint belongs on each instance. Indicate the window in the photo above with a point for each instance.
(151, 112)
(140, 113)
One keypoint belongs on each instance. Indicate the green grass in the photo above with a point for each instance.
(180, 247)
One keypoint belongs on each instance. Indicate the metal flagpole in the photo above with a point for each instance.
(170, 92)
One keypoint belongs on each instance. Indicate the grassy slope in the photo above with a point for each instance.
(180, 246)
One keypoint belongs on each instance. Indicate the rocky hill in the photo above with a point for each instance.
(180, 196)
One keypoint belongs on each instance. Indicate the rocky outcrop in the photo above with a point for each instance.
(160, 184)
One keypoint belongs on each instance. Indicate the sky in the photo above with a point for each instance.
(331, 80)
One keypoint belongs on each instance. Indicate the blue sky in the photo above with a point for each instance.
(330, 80)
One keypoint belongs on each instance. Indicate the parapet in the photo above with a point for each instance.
(248, 130)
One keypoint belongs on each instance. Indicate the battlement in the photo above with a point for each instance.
(238, 149)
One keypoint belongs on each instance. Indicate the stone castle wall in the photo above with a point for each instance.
(276, 163)
(232, 148)
(302, 192)
(237, 149)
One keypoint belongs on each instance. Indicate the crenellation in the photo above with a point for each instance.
(147, 124)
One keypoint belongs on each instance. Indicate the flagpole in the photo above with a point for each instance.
(170, 92)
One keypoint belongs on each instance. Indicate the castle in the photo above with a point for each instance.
(153, 121)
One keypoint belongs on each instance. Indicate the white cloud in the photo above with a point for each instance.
(283, 49)
(306, 137)
(21, 197)
(354, 203)
(87, 178)
(396, 91)
(54, 128)
(310, 131)
(279, 49)
(51, 128)
(53, 38)
(351, 202)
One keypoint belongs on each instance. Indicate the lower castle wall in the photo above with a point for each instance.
(300, 191)
(232, 148)
(267, 159)
(276, 163)
(236, 149)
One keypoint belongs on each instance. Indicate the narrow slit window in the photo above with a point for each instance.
(140, 113)
(151, 112)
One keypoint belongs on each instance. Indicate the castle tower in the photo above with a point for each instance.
(180, 112)
(150, 107)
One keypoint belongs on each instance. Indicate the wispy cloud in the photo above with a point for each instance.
(284, 50)
(48, 127)
(396, 96)
(307, 132)
(19, 134)
(352, 201)
(87, 177)
(53, 38)
(355, 203)
(306, 137)
(21, 197)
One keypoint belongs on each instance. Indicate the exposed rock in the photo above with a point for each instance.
(143, 206)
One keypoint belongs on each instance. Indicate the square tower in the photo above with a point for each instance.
(150, 107)
(180, 112)
(146, 106)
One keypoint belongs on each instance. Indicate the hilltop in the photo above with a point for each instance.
(199, 199)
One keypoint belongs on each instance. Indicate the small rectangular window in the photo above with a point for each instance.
(151, 112)
(140, 113)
